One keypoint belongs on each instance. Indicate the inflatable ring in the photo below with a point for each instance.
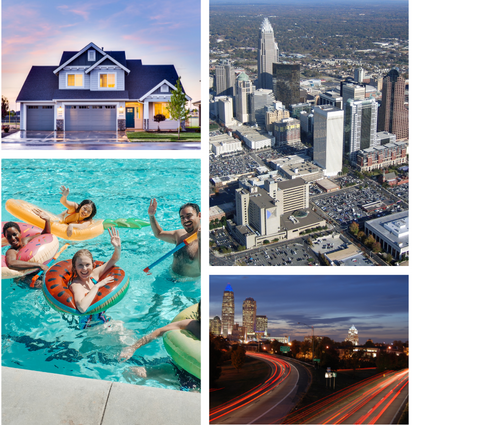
(183, 346)
(40, 249)
(60, 298)
(24, 211)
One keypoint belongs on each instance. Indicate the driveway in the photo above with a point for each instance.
(95, 140)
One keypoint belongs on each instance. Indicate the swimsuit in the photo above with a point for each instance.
(92, 319)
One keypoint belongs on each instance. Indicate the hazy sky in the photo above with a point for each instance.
(157, 31)
(376, 305)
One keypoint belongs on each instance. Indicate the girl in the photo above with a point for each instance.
(85, 281)
(77, 216)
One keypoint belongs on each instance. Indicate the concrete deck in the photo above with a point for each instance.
(41, 398)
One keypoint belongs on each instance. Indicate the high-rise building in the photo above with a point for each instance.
(286, 83)
(328, 138)
(245, 110)
(224, 78)
(275, 113)
(249, 314)
(261, 325)
(227, 321)
(286, 131)
(360, 126)
(215, 326)
(352, 335)
(393, 114)
(353, 91)
(267, 54)
(263, 99)
(359, 75)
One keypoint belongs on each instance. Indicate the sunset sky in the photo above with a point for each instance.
(157, 31)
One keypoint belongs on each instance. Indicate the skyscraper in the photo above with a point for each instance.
(261, 325)
(245, 109)
(249, 314)
(267, 54)
(224, 78)
(328, 138)
(352, 335)
(227, 311)
(393, 114)
(286, 83)
(215, 326)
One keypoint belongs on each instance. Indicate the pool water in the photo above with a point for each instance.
(36, 337)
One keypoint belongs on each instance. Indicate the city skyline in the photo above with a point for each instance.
(376, 305)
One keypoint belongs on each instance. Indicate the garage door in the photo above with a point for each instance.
(90, 117)
(40, 117)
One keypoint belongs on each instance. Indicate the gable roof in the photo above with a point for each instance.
(105, 57)
(72, 58)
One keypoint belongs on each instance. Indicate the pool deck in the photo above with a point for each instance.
(28, 398)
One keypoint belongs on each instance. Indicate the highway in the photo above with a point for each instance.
(268, 401)
(375, 400)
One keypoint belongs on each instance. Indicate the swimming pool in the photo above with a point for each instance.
(36, 337)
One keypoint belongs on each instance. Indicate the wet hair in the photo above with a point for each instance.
(78, 254)
(193, 206)
(87, 202)
(10, 224)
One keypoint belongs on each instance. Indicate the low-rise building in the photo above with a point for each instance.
(392, 231)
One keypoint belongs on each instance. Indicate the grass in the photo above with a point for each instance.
(163, 137)
(233, 383)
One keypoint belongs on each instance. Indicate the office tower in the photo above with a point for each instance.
(249, 314)
(245, 110)
(275, 113)
(328, 138)
(352, 335)
(261, 325)
(262, 99)
(267, 54)
(330, 98)
(286, 131)
(224, 78)
(227, 311)
(286, 83)
(215, 326)
(393, 114)
(352, 91)
(225, 110)
(359, 75)
(360, 126)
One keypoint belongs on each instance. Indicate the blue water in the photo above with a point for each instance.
(36, 337)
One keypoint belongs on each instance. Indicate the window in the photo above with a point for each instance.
(75, 80)
(107, 80)
(164, 88)
(91, 55)
(163, 108)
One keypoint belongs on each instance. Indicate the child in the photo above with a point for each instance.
(192, 325)
(77, 215)
(12, 233)
(85, 280)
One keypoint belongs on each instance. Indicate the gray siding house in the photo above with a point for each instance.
(96, 90)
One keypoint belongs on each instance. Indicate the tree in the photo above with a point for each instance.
(177, 107)
(5, 107)
(354, 228)
(159, 118)
(238, 357)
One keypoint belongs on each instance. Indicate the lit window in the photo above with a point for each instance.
(107, 80)
(75, 80)
(163, 108)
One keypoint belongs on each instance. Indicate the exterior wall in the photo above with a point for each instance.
(328, 139)
(165, 125)
(94, 79)
(63, 79)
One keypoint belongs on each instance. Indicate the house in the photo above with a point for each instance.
(97, 90)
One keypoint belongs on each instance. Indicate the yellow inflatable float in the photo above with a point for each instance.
(183, 346)
(24, 211)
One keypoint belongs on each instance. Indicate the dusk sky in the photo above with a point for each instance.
(376, 305)
(157, 31)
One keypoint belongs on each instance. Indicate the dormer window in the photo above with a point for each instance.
(74, 80)
(164, 88)
(107, 81)
(91, 55)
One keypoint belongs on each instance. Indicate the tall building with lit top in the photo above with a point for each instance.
(261, 325)
(352, 336)
(249, 315)
(267, 54)
(227, 321)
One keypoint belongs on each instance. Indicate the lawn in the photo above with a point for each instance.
(141, 136)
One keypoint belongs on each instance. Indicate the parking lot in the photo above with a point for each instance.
(400, 191)
(234, 164)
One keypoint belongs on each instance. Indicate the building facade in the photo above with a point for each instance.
(224, 78)
(249, 316)
(245, 110)
(352, 335)
(328, 138)
(227, 322)
(286, 131)
(215, 326)
(267, 54)
(286, 83)
(393, 114)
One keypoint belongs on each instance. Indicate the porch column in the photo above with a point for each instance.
(146, 115)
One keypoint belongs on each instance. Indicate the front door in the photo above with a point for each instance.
(129, 117)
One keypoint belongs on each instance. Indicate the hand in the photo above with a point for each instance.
(105, 281)
(43, 267)
(152, 207)
(69, 230)
(115, 237)
(42, 214)
(126, 353)
(64, 191)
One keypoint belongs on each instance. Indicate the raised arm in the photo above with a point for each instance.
(71, 206)
(84, 300)
(116, 243)
(44, 216)
(164, 235)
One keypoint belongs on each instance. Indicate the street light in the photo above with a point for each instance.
(312, 327)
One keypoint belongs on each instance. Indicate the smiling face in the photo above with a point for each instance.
(85, 211)
(13, 236)
(83, 264)
(189, 219)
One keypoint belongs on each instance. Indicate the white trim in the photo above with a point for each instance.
(112, 60)
(157, 87)
(88, 55)
(106, 73)
(75, 73)
(164, 86)
(88, 46)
